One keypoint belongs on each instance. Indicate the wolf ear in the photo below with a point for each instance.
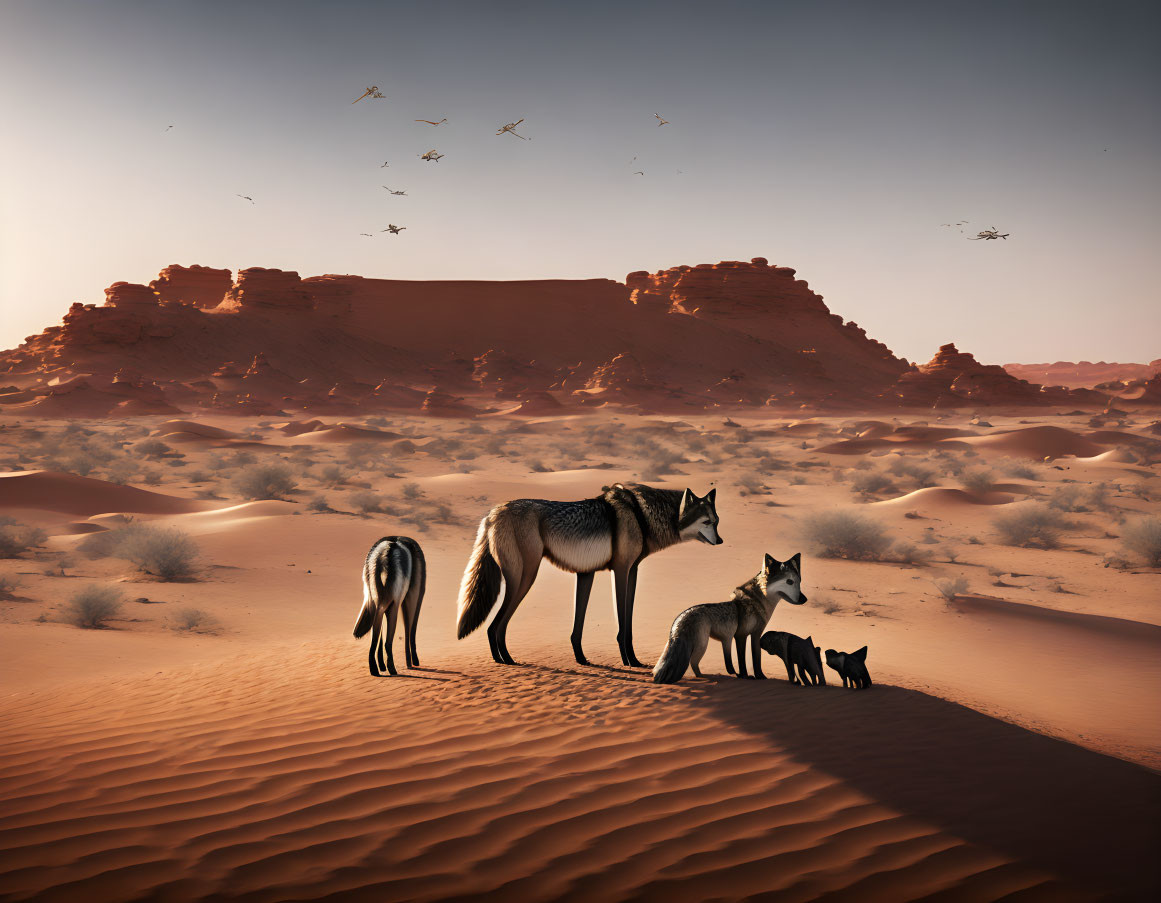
(770, 563)
(860, 654)
(810, 641)
(687, 498)
(795, 561)
(711, 495)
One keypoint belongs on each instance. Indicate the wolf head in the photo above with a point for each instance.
(836, 659)
(784, 578)
(698, 518)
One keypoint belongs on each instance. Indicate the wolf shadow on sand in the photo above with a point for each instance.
(1089, 819)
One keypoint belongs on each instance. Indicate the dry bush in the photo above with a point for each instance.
(366, 502)
(197, 476)
(1031, 525)
(194, 620)
(151, 478)
(319, 505)
(411, 491)
(265, 481)
(841, 534)
(909, 553)
(17, 538)
(8, 584)
(92, 606)
(978, 480)
(166, 553)
(951, 587)
(537, 465)
(1021, 469)
(1142, 537)
(333, 475)
(749, 484)
(152, 448)
(873, 483)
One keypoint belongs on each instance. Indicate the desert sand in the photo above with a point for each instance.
(1009, 748)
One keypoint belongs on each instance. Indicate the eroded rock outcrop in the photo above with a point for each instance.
(268, 289)
(954, 377)
(195, 285)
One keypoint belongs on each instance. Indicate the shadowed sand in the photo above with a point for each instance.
(292, 775)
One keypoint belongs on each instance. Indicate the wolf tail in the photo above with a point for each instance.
(670, 668)
(480, 587)
(371, 584)
(366, 619)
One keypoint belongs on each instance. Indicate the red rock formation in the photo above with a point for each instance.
(954, 378)
(196, 285)
(129, 295)
(1082, 374)
(258, 287)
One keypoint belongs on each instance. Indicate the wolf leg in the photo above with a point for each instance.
(376, 636)
(513, 595)
(630, 602)
(728, 656)
(405, 614)
(756, 655)
(740, 645)
(412, 602)
(584, 586)
(382, 640)
(789, 669)
(699, 647)
(389, 636)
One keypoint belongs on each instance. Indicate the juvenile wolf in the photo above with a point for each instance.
(394, 577)
(851, 666)
(796, 653)
(744, 615)
(614, 531)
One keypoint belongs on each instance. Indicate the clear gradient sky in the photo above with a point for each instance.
(833, 137)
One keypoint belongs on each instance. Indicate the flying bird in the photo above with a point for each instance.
(246, 197)
(393, 229)
(385, 165)
(399, 193)
(372, 92)
(429, 122)
(989, 235)
(638, 173)
(166, 129)
(510, 128)
(955, 225)
(368, 234)
(660, 121)
(431, 156)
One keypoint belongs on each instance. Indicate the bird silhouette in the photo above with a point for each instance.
(429, 122)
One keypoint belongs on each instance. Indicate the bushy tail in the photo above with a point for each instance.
(670, 668)
(480, 587)
(366, 619)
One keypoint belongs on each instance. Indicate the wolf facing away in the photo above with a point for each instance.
(851, 666)
(394, 578)
(614, 531)
(797, 654)
(745, 615)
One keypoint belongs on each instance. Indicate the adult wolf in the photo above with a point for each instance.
(613, 531)
(394, 577)
(744, 615)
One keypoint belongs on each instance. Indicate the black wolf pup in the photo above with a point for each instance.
(394, 578)
(796, 653)
(851, 666)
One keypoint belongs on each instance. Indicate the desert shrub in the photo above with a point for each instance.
(8, 584)
(909, 553)
(978, 480)
(151, 478)
(333, 475)
(82, 464)
(411, 491)
(1020, 469)
(319, 505)
(1142, 537)
(152, 448)
(798, 480)
(951, 587)
(167, 553)
(841, 534)
(16, 538)
(828, 605)
(537, 465)
(872, 482)
(197, 476)
(121, 472)
(749, 484)
(92, 606)
(366, 502)
(265, 481)
(1032, 525)
(194, 620)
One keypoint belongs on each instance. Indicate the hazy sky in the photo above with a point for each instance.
(833, 137)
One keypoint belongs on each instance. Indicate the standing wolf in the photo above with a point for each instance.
(796, 652)
(744, 615)
(614, 531)
(394, 577)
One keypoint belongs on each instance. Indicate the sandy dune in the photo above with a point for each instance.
(1010, 747)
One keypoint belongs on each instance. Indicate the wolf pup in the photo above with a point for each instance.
(614, 531)
(851, 666)
(796, 653)
(394, 577)
(744, 615)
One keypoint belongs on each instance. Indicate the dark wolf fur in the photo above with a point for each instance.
(797, 654)
(745, 615)
(851, 666)
(394, 578)
(614, 531)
